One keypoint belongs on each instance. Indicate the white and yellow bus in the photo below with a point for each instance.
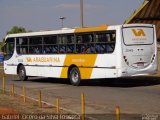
(83, 53)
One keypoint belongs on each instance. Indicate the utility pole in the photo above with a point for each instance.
(81, 13)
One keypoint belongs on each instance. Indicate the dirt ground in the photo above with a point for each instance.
(10, 104)
(13, 108)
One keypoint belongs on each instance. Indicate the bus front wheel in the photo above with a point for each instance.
(74, 76)
(22, 73)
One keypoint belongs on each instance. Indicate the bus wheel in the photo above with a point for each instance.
(22, 73)
(74, 76)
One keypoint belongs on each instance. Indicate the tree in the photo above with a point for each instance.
(16, 29)
(1, 45)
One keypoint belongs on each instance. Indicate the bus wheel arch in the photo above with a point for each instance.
(21, 71)
(74, 75)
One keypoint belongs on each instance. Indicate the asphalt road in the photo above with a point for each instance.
(134, 95)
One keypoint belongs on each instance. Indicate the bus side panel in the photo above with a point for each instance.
(85, 63)
(43, 71)
(103, 73)
(105, 66)
(42, 65)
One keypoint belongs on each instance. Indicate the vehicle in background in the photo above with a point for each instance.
(1, 57)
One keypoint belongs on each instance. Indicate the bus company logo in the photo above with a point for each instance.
(138, 32)
(29, 59)
(43, 59)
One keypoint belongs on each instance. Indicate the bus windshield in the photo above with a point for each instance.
(8, 48)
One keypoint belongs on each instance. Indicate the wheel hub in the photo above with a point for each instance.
(75, 76)
(22, 73)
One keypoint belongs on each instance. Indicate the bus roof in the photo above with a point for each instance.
(91, 29)
(71, 30)
(61, 31)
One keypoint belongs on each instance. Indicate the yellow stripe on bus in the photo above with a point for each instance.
(85, 63)
(91, 29)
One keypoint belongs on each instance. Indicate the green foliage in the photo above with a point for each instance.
(16, 29)
(1, 45)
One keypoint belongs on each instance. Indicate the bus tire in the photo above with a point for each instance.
(22, 73)
(74, 76)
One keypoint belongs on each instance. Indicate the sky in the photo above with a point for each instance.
(39, 15)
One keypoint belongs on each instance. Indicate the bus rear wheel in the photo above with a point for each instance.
(22, 73)
(74, 76)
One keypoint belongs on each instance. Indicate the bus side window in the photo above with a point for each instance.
(54, 49)
(22, 45)
(50, 44)
(85, 43)
(24, 51)
(62, 40)
(105, 42)
(66, 43)
(35, 45)
(70, 46)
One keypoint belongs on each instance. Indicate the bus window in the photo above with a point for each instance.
(49, 40)
(85, 43)
(105, 42)
(70, 47)
(50, 45)
(66, 44)
(35, 45)
(62, 41)
(22, 45)
(8, 48)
